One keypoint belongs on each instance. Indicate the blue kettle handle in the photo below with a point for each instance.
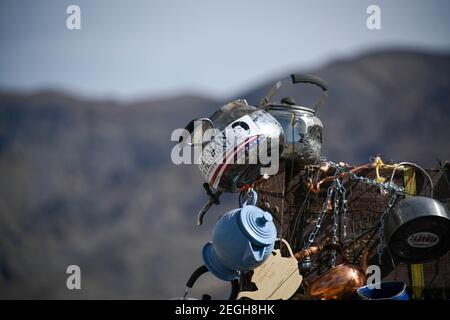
(249, 197)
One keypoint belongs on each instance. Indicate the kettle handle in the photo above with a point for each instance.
(298, 78)
(248, 197)
(190, 128)
(309, 78)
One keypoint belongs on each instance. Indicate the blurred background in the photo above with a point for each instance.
(86, 117)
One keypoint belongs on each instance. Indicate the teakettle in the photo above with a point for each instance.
(302, 129)
(340, 282)
(242, 240)
(238, 130)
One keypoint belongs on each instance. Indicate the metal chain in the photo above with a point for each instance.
(320, 219)
(390, 188)
(344, 209)
(335, 220)
(389, 207)
(338, 189)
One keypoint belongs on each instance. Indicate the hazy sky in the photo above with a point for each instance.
(131, 49)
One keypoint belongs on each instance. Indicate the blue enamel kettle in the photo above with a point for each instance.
(241, 240)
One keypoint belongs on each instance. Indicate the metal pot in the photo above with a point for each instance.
(418, 230)
(392, 290)
(303, 130)
(340, 282)
(227, 167)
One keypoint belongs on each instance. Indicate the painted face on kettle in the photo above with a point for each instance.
(240, 129)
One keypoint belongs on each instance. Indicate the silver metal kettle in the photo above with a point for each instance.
(302, 129)
(252, 127)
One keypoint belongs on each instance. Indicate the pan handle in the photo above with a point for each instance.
(430, 181)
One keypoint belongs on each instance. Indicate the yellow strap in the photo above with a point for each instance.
(418, 281)
(417, 276)
(409, 180)
(378, 164)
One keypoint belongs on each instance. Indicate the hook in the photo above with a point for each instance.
(213, 199)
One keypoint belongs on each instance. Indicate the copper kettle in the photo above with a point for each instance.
(338, 283)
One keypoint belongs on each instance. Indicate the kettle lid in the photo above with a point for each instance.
(257, 224)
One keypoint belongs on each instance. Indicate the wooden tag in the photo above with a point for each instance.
(278, 278)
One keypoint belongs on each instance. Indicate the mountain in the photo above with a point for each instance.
(91, 183)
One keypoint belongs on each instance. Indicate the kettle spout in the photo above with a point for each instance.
(308, 252)
(257, 252)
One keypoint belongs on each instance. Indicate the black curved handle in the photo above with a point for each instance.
(190, 127)
(203, 269)
(308, 78)
(195, 275)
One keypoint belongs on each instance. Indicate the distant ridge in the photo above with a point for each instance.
(91, 181)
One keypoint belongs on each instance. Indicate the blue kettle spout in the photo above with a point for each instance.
(257, 251)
